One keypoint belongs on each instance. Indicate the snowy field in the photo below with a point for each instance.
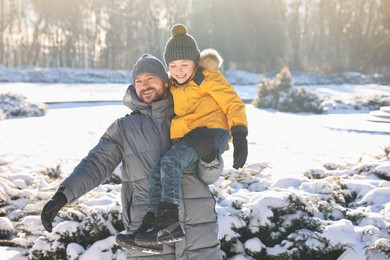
(313, 185)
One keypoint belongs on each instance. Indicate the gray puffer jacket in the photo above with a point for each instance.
(138, 141)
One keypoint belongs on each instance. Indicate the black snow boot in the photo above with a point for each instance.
(166, 229)
(128, 240)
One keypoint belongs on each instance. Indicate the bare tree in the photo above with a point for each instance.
(255, 35)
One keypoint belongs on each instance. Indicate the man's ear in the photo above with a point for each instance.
(165, 85)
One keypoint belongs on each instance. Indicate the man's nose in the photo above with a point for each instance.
(144, 84)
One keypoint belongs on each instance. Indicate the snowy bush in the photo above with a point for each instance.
(314, 78)
(327, 216)
(76, 228)
(80, 225)
(330, 212)
(97, 75)
(373, 103)
(279, 93)
(63, 75)
(13, 105)
(380, 246)
(53, 172)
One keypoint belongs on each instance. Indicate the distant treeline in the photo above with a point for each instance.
(252, 35)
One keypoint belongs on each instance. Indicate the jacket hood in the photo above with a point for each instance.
(131, 100)
(210, 59)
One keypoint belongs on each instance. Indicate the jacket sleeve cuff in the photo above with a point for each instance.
(239, 130)
(68, 194)
(210, 172)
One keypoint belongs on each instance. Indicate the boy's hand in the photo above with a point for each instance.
(50, 210)
(202, 139)
(240, 144)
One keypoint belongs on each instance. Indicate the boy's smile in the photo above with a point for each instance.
(181, 70)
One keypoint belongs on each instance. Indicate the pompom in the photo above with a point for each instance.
(178, 29)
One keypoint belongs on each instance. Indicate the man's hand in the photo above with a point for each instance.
(50, 210)
(240, 144)
(202, 139)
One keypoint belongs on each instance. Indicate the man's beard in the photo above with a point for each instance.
(158, 96)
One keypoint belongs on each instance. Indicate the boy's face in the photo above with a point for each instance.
(181, 70)
(150, 88)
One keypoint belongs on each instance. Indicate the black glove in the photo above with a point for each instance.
(202, 139)
(239, 133)
(51, 209)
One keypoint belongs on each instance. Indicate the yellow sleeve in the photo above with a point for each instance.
(225, 95)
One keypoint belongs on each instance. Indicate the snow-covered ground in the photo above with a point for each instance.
(314, 184)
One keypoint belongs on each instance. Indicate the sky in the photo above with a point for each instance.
(333, 164)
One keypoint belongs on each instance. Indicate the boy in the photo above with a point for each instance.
(206, 107)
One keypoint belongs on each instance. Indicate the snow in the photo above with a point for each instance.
(325, 172)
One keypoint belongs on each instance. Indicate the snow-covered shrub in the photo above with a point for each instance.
(239, 77)
(81, 226)
(338, 211)
(386, 151)
(382, 245)
(371, 103)
(63, 75)
(13, 105)
(327, 215)
(356, 102)
(53, 172)
(6, 228)
(113, 179)
(279, 93)
(92, 219)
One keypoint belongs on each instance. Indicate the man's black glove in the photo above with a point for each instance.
(50, 210)
(202, 139)
(239, 133)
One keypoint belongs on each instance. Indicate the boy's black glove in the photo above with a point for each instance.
(202, 139)
(50, 210)
(240, 144)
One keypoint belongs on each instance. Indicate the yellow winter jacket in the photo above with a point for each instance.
(207, 99)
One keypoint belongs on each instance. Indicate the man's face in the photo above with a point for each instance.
(181, 70)
(150, 88)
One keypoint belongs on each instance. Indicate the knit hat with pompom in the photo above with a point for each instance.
(181, 46)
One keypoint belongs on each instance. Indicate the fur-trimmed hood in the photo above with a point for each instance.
(210, 59)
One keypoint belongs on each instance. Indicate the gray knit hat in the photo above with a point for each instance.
(149, 64)
(181, 46)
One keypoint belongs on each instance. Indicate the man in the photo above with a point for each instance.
(138, 141)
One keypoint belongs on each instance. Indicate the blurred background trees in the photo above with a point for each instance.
(252, 35)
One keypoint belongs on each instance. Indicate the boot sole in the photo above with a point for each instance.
(172, 233)
(147, 243)
(138, 248)
(159, 242)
